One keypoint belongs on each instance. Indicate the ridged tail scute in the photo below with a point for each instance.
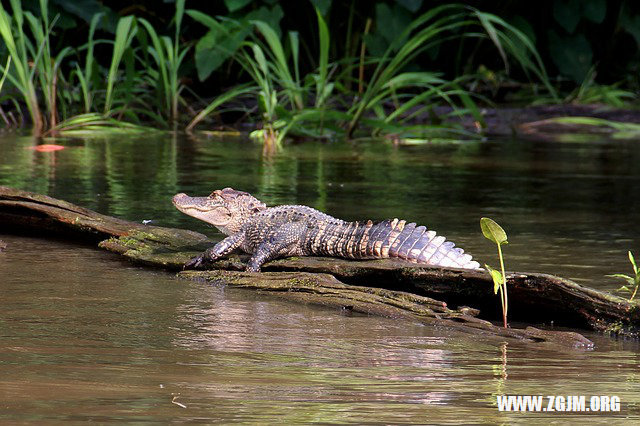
(396, 238)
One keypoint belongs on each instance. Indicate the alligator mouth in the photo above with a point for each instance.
(184, 202)
(180, 200)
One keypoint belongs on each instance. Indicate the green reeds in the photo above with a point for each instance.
(125, 31)
(94, 123)
(228, 95)
(431, 29)
(168, 56)
(22, 51)
(85, 75)
(277, 83)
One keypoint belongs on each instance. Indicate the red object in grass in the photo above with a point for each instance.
(47, 148)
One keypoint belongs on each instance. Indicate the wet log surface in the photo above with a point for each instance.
(455, 299)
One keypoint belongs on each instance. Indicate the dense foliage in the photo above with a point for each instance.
(314, 68)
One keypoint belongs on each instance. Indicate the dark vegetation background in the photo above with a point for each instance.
(310, 68)
(577, 39)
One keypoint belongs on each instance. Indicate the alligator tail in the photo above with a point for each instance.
(396, 238)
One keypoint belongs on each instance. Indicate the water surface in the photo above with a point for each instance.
(86, 336)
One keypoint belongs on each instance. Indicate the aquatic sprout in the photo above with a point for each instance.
(494, 232)
(632, 282)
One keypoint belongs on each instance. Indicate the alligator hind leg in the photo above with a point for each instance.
(221, 249)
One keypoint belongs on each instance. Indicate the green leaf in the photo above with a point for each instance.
(322, 6)
(627, 278)
(595, 10)
(496, 276)
(125, 31)
(218, 45)
(390, 22)
(220, 100)
(492, 231)
(234, 5)
(633, 262)
(631, 24)
(5, 72)
(323, 61)
(411, 5)
(567, 14)
(571, 54)
(485, 20)
(271, 16)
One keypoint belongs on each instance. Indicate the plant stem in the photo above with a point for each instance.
(634, 293)
(505, 305)
(363, 50)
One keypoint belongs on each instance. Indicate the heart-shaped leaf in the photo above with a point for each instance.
(492, 231)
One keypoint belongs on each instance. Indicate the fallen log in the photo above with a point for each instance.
(382, 287)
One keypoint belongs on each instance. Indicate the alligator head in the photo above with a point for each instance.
(226, 209)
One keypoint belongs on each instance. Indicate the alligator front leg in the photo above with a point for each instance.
(281, 244)
(221, 249)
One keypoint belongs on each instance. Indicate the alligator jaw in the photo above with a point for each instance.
(184, 202)
(206, 209)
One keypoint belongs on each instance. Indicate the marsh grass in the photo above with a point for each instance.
(93, 123)
(168, 56)
(21, 50)
(140, 82)
(441, 24)
(36, 73)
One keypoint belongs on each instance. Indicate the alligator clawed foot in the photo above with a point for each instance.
(194, 263)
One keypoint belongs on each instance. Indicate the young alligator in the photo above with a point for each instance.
(272, 232)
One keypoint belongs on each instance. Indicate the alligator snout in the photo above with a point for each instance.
(179, 198)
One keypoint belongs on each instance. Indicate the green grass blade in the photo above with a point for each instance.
(217, 102)
(280, 62)
(323, 61)
(125, 31)
(5, 72)
(294, 42)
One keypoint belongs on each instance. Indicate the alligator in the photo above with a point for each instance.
(268, 233)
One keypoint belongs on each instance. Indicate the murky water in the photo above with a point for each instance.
(86, 336)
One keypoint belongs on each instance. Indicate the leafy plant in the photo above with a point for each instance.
(428, 31)
(494, 232)
(632, 282)
(22, 50)
(276, 80)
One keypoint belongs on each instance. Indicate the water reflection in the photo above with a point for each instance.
(569, 208)
(86, 336)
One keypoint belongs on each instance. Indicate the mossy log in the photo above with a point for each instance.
(382, 287)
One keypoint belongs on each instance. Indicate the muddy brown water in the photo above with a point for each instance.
(86, 336)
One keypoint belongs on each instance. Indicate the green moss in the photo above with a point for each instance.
(615, 328)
